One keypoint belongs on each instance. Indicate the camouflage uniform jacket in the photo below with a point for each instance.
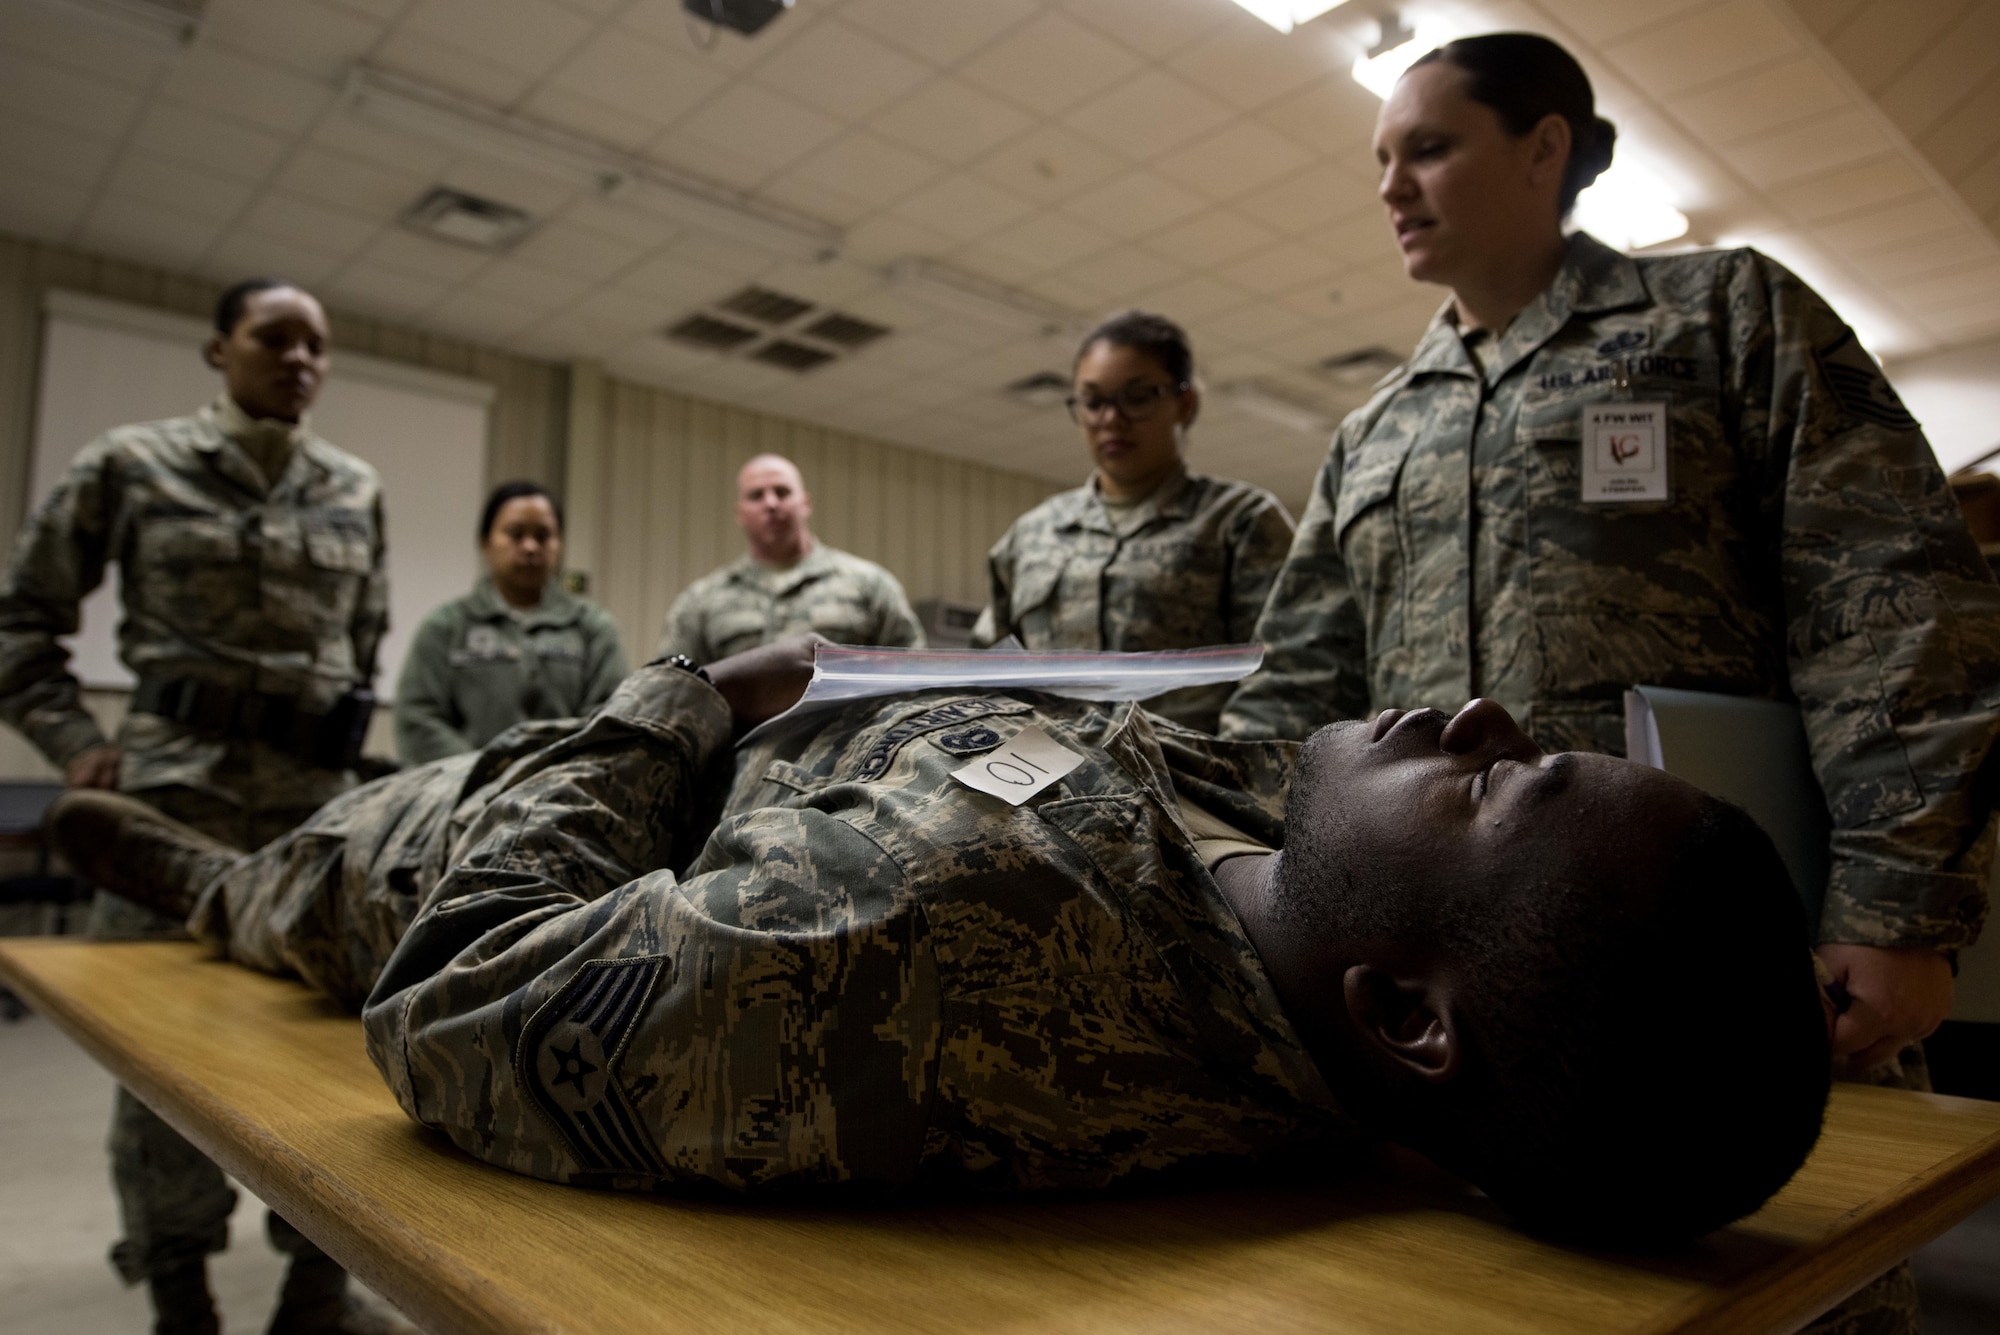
(476, 669)
(872, 975)
(1810, 551)
(745, 604)
(1189, 567)
(225, 578)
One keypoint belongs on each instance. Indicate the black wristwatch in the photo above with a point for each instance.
(686, 664)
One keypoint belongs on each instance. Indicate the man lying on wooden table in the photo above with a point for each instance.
(875, 976)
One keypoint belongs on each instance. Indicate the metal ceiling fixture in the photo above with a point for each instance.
(168, 23)
(467, 220)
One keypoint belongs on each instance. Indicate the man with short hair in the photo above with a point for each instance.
(788, 584)
(250, 554)
(1181, 954)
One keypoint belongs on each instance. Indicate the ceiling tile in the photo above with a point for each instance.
(1962, 286)
(530, 191)
(311, 222)
(842, 71)
(91, 106)
(1703, 47)
(599, 122)
(381, 145)
(54, 152)
(1970, 134)
(1850, 189)
(867, 167)
(538, 289)
(140, 230)
(381, 293)
(1111, 279)
(1049, 63)
(1280, 269)
(1784, 94)
(673, 285)
(834, 207)
(1891, 225)
(1147, 115)
(1050, 164)
(203, 139)
(647, 81)
(241, 252)
(480, 317)
(1233, 161)
(246, 90)
(883, 238)
(1878, 41)
(531, 38)
(667, 23)
(765, 130)
(1329, 114)
(1317, 198)
(1257, 322)
(1966, 55)
(1194, 298)
(1134, 204)
(350, 183)
(1247, 63)
(41, 206)
(368, 9)
(399, 250)
(1049, 240)
(436, 62)
(1826, 143)
(620, 221)
(1153, 28)
(1211, 239)
(951, 121)
(186, 190)
(1600, 23)
(74, 41)
(961, 207)
(943, 34)
(313, 40)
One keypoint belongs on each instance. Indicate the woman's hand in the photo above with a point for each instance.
(764, 682)
(1900, 994)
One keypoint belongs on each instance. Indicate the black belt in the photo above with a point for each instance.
(332, 738)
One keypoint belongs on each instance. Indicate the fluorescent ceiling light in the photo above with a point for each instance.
(1378, 68)
(968, 294)
(1285, 15)
(1627, 208)
(469, 127)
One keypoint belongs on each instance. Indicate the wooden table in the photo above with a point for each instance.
(271, 1080)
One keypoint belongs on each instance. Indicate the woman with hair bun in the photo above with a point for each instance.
(1144, 555)
(1600, 470)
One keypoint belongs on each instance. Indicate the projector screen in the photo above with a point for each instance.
(106, 363)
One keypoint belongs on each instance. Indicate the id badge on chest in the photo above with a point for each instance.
(1625, 453)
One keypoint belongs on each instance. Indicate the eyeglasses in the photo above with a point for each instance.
(1134, 403)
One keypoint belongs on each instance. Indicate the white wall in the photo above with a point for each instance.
(105, 363)
(1956, 395)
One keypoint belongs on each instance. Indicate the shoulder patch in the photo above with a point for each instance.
(876, 760)
(1859, 386)
(567, 1060)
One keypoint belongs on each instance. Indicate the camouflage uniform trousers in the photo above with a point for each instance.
(173, 1202)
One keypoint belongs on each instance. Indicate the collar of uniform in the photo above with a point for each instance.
(1593, 278)
(1169, 500)
(230, 419)
(811, 566)
(557, 608)
(1440, 349)
(230, 423)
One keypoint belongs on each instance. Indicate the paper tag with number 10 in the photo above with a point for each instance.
(1625, 453)
(1030, 761)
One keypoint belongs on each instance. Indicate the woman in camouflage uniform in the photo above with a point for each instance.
(517, 647)
(1145, 555)
(1682, 470)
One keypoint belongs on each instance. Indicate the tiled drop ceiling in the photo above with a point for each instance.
(1081, 154)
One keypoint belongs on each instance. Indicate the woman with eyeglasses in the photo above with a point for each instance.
(1145, 555)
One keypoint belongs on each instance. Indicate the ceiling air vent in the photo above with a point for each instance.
(761, 303)
(848, 331)
(467, 220)
(792, 356)
(1363, 366)
(1043, 389)
(705, 331)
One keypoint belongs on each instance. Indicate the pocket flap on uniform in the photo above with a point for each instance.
(1034, 584)
(189, 540)
(1368, 480)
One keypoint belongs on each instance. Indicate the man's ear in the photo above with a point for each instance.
(1407, 1019)
(211, 351)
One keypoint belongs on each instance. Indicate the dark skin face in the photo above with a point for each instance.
(523, 548)
(274, 361)
(1462, 805)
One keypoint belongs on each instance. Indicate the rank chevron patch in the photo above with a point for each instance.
(568, 1060)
